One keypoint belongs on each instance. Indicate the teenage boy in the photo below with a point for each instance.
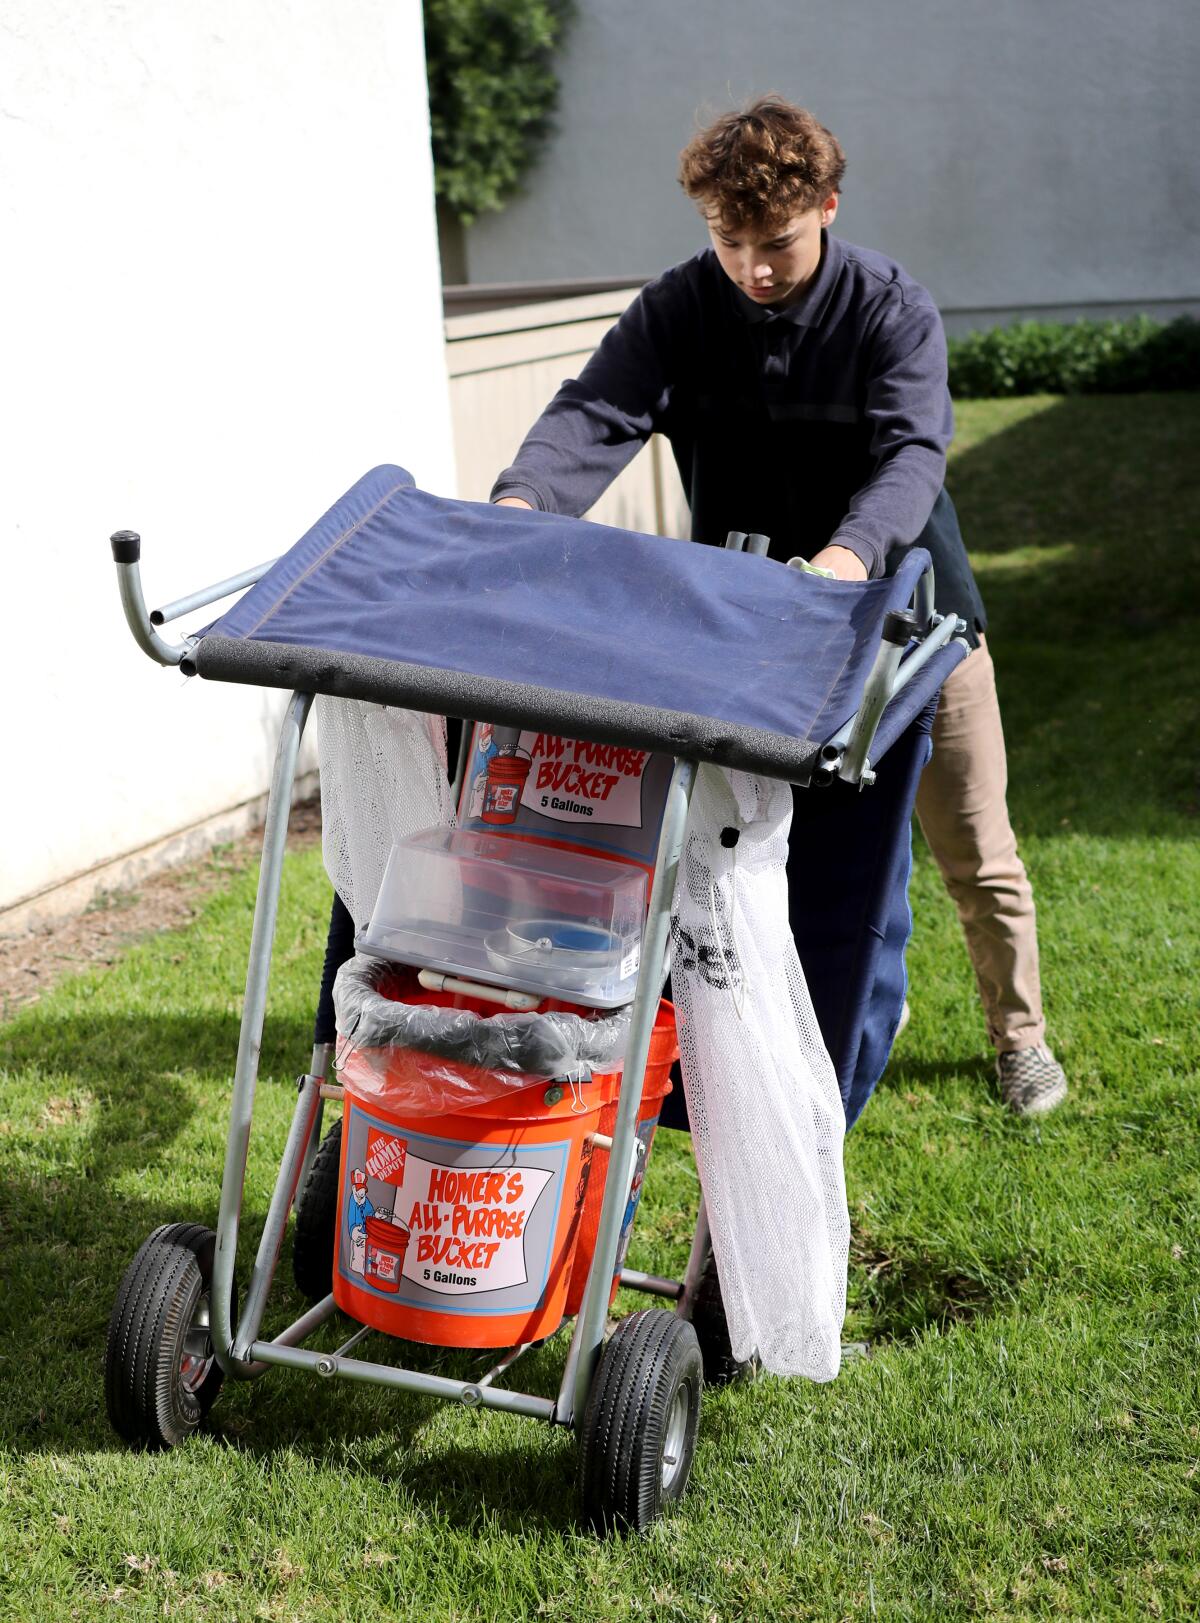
(801, 382)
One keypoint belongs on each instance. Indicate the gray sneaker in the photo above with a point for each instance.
(1031, 1080)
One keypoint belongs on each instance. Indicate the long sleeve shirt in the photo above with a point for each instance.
(826, 421)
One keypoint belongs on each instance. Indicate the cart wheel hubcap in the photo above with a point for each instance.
(673, 1444)
(197, 1358)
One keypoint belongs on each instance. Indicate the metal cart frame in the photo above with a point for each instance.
(240, 1348)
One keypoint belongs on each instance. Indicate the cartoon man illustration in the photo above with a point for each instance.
(358, 1209)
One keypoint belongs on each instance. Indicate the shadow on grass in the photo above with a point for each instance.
(1079, 521)
(376, 1432)
(103, 1051)
(904, 1074)
(505, 1489)
(76, 1201)
(897, 1298)
(140, 1073)
(73, 1218)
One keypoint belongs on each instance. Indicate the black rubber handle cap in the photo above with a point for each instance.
(899, 625)
(127, 547)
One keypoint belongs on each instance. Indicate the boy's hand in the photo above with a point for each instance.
(512, 501)
(845, 564)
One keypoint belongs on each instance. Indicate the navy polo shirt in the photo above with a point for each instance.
(827, 421)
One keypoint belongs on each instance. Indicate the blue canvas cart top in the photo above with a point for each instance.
(399, 597)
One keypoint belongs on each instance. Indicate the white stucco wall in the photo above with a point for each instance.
(221, 305)
(1014, 157)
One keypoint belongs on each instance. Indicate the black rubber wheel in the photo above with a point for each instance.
(160, 1374)
(712, 1329)
(639, 1428)
(315, 1233)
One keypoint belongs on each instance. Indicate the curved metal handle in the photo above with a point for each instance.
(126, 551)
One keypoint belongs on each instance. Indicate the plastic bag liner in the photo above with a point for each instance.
(383, 776)
(429, 1059)
(766, 1114)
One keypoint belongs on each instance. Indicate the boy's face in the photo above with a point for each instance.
(773, 269)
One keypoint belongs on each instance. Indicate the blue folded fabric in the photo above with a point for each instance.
(395, 580)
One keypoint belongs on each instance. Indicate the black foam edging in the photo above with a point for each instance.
(453, 693)
(580, 715)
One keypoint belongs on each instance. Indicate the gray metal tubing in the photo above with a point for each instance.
(589, 1327)
(306, 1324)
(566, 1391)
(735, 540)
(262, 936)
(469, 1393)
(652, 1284)
(307, 1104)
(942, 633)
(310, 1149)
(353, 1341)
(758, 544)
(697, 1256)
(296, 1332)
(209, 594)
(129, 583)
(460, 769)
(505, 1363)
(564, 1409)
(318, 1069)
(881, 684)
(923, 598)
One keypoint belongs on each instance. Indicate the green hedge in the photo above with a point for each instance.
(492, 90)
(1080, 357)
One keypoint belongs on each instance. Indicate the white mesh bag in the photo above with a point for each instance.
(766, 1114)
(383, 776)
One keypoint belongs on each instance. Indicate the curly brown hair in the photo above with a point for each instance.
(758, 167)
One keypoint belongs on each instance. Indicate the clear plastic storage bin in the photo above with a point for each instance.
(512, 913)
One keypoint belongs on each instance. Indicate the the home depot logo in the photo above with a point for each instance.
(385, 1156)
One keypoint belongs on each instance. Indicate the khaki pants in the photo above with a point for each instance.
(964, 818)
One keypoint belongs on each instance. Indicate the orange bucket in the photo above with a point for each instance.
(506, 775)
(664, 1051)
(384, 1251)
(459, 1230)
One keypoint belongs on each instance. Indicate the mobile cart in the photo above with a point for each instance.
(519, 619)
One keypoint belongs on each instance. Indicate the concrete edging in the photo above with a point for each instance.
(70, 897)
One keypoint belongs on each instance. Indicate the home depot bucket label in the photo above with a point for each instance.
(599, 797)
(475, 1224)
(572, 780)
(469, 1225)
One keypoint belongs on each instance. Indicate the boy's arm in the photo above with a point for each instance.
(908, 406)
(597, 422)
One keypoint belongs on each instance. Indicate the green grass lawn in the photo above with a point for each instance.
(1024, 1439)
